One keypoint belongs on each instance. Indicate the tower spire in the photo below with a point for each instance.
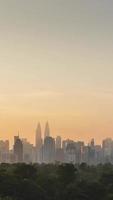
(38, 138)
(47, 130)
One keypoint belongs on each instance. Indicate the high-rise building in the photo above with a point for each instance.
(58, 142)
(4, 151)
(71, 156)
(49, 150)
(98, 154)
(18, 149)
(38, 144)
(107, 146)
(28, 151)
(47, 130)
(65, 143)
(38, 139)
(91, 153)
(59, 152)
(79, 151)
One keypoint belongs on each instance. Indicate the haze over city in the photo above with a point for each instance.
(56, 64)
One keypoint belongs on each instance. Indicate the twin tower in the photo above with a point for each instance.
(38, 139)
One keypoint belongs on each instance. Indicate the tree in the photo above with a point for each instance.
(66, 173)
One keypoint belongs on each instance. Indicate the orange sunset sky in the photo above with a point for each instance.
(56, 65)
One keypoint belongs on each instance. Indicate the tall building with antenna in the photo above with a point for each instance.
(38, 143)
(18, 149)
(47, 130)
(38, 137)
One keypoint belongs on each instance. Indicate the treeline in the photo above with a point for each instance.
(56, 182)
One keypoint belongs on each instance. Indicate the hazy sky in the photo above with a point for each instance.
(56, 64)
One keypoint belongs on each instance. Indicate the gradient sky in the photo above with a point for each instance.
(56, 64)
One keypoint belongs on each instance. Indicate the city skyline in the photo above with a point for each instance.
(39, 136)
(42, 128)
(48, 149)
(56, 64)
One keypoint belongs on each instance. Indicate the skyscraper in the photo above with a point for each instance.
(38, 143)
(38, 139)
(92, 152)
(4, 151)
(28, 151)
(58, 142)
(18, 149)
(107, 146)
(47, 130)
(49, 150)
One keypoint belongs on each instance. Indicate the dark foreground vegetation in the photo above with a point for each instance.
(56, 182)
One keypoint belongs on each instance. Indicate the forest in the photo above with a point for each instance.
(56, 182)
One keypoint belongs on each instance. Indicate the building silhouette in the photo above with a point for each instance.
(107, 146)
(71, 156)
(38, 137)
(4, 151)
(28, 151)
(58, 142)
(47, 130)
(38, 144)
(18, 149)
(49, 150)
